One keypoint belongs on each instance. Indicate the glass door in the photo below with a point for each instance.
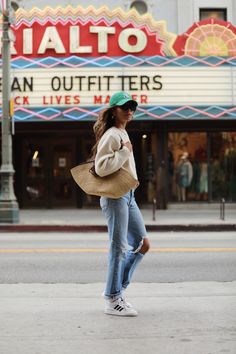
(46, 177)
(63, 186)
(35, 174)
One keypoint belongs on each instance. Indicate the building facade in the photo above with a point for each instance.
(68, 60)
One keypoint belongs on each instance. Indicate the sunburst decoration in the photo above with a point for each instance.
(208, 38)
(82, 15)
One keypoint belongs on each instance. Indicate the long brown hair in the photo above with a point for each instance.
(105, 121)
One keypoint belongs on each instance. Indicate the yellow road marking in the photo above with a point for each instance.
(103, 250)
(55, 250)
(194, 249)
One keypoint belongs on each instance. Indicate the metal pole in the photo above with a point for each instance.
(222, 209)
(9, 209)
(154, 206)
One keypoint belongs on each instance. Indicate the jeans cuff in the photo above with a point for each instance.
(111, 297)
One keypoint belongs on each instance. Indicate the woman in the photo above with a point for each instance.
(127, 233)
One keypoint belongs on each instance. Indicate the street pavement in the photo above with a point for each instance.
(162, 217)
(194, 317)
(176, 218)
(62, 257)
(182, 318)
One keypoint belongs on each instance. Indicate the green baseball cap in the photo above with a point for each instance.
(120, 98)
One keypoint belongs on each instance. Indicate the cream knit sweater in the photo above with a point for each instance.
(111, 157)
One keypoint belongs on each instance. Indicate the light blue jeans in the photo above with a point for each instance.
(126, 233)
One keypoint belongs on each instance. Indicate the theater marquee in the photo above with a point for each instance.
(73, 59)
(149, 86)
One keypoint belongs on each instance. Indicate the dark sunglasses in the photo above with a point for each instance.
(125, 107)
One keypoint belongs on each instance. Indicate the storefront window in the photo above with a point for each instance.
(223, 166)
(187, 167)
(219, 14)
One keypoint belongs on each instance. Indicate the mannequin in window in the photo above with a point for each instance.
(184, 176)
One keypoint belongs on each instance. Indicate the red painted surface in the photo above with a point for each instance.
(153, 47)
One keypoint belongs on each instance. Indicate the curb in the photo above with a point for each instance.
(103, 228)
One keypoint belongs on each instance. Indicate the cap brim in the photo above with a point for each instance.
(125, 100)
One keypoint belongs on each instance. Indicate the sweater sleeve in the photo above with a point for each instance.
(110, 158)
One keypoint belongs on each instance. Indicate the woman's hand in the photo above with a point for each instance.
(128, 145)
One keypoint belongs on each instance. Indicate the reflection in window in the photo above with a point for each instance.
(35, 161)
(218, 14)
(62, 161)
(35, 191)
(187, 167)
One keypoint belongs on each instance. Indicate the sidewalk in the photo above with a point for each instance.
(196, 318)
(197, 218)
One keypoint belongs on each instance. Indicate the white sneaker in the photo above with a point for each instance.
(119, 307)
(128, 304)
(123, 297)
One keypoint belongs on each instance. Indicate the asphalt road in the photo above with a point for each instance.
(81, 258)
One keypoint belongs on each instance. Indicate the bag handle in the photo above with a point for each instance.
(121, 143)
(92, 169)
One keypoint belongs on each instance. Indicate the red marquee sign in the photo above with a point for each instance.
(89, 32)
(65, 32)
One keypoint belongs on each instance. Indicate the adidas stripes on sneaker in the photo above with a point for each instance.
(119, 307)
